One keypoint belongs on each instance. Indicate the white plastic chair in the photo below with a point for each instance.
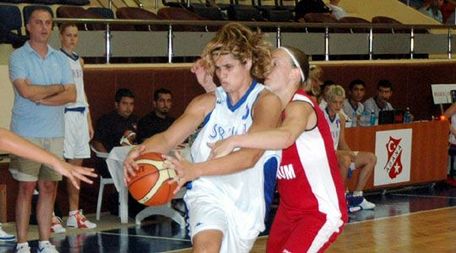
(103, 181)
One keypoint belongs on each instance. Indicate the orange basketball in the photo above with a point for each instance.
(150, 184)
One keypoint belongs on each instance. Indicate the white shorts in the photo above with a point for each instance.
(76, 143)
(205, 214)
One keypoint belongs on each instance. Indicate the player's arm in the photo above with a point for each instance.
(266, 115)
(181, 128)
(67, 96)
(343, 146)
(12, 143)
(300, 116)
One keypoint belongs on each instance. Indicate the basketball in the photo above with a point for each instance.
(150, 185)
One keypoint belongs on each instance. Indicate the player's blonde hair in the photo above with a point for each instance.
(243, 44)
(299, 59)
(334, 91)
(314, 80)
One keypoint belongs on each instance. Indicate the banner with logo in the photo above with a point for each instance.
(393, 149)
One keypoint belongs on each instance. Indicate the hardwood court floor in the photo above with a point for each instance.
(415, 220)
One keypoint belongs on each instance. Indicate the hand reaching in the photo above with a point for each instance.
(204, 77)
(185, 170)
(221, 148)
(74, 172)
(130, 165)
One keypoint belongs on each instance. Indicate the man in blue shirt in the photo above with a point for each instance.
(43, 83)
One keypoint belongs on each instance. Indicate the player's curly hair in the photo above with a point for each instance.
(243, 44)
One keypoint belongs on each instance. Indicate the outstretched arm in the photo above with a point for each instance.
(165, 141)
(12, 143)
(266, 115)
(299, 117)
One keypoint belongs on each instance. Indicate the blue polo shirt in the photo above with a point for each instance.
(28, 118)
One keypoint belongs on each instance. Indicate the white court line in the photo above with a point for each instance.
(400, 215)
(423, 196)
(147, 236)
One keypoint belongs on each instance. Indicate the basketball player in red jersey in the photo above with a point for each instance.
(312, 209)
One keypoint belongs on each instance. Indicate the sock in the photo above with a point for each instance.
(21, 245)
(358, 193)
(42, 243)
(73, 212)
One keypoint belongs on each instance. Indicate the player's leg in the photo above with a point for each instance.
(344, 161)
(208, 241)
(26, 173)
(45, 207)
(280, 230)
(312, 233)
(365, 161)
(76, 148)
(23, 209)
(73, 192)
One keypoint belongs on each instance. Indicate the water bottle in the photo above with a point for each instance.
(365, 119)
(407, 116)
(354, 120)
(372, 119)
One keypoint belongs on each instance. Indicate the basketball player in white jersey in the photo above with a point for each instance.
(78, 126)
(450, 114)
(226, 205)
(348, 159)
(312, 209)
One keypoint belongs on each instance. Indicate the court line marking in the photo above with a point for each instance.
(147, 236)
(401, 215)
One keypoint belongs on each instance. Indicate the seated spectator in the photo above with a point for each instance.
(323, 89)
(337, 11)
(118, 127)
(115, 129)
(310, 6)
(315, 75)
(450, 113)
(348, 160)
(353, 106)
(432, 9)
(158, 120)
(380, 101)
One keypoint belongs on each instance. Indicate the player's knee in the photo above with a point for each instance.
(372, 158)
(47, 187)
(27, 188)
(205, 243)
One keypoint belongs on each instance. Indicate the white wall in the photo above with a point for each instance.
(6, 97)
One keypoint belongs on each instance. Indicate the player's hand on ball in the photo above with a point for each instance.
(130, 165)
(185, 170)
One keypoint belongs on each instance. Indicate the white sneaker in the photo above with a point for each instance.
(366, 205)
(23, 249)
(47, 248)
(5, 236)
(78, 220)
(56, 225)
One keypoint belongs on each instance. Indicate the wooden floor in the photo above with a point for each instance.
(416, 220)
(422, 232)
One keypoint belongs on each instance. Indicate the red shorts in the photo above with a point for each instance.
(310, 231)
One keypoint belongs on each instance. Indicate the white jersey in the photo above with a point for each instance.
(334, 127)
(241, 195)
(453, 124)
(78, 77)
